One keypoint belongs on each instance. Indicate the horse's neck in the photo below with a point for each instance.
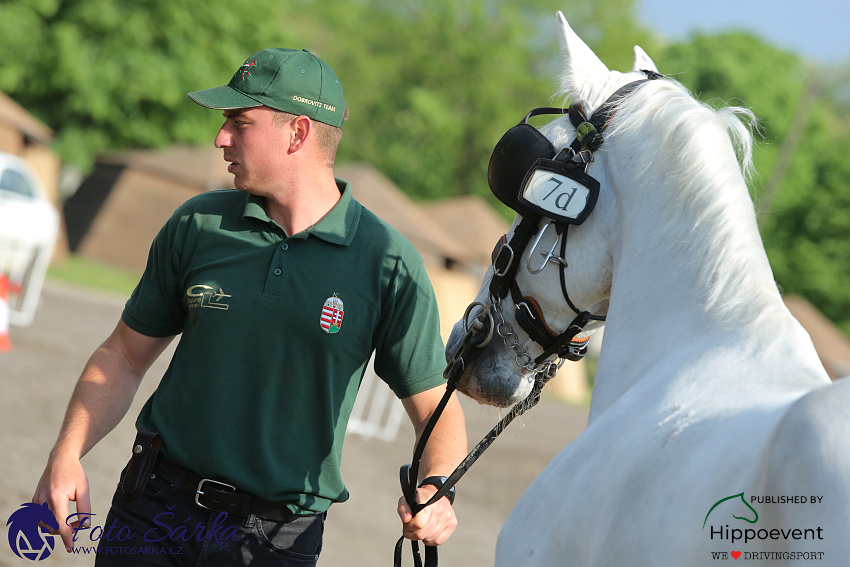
(663, 314)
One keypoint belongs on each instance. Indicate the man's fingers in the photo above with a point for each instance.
(432, 525)
(415, 527)
(441, 525)
(58, 500)
(404, 511)
(59, 506)
(83, 500)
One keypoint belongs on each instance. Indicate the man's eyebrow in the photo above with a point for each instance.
(233, 112)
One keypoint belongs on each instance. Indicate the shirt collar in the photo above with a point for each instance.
(337, 226)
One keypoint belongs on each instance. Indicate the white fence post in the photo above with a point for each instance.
(377, 413)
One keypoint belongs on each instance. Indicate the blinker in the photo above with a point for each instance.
(526, 174)
(512, 157)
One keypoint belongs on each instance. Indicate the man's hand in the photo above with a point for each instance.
(433, 524)
(64, 480)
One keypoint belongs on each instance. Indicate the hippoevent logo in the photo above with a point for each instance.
(27, 537)
(729, 512)
(734, 496)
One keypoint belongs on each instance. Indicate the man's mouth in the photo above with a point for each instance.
(231, 163)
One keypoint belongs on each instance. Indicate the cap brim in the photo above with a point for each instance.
(223, 98)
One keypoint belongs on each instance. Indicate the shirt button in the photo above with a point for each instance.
(284, 247)
(277, 271)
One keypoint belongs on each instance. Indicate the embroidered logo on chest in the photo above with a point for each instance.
(332, 312)
(205, 296)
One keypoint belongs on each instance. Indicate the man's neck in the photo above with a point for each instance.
(305, 201)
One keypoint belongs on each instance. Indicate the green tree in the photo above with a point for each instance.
(109, 74)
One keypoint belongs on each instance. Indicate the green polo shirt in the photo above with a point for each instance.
(277, 331)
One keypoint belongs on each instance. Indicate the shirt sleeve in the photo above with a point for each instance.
(155, 306)
(409, 352)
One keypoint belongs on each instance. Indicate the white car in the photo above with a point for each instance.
(29, 224)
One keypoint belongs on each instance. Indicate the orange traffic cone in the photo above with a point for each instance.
(5, 312)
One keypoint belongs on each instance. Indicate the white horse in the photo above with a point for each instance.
(707, 389)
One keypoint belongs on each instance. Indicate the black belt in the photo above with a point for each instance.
(219, 496)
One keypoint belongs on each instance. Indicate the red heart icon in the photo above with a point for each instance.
(736, 555)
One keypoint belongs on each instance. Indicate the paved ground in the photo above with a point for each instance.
(39, 374)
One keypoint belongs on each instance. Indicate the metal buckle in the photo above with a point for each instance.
(586, 156)
(501, 272)
(478, 326)
(199, 492)
(547, 256)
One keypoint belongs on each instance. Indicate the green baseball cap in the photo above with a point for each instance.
(291, 80)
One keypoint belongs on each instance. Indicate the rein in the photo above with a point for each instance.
(471, 344)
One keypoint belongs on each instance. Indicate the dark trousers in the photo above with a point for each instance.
(165, 527)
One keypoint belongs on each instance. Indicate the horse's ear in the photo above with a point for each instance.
(582, 67)
(642, 61)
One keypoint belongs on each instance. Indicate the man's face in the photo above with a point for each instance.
(255, 147)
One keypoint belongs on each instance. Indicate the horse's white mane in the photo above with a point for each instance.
(682, 148)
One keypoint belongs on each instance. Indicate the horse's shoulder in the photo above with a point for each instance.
(815, 430)
(821, 410)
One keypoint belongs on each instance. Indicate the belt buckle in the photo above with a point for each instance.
(199, 492)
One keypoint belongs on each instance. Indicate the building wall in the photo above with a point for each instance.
(11, 140)
(134, 210)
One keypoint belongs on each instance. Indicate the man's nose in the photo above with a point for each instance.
(223, 138)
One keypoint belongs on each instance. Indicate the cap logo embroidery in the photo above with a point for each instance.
(245, 68)
(332, 312)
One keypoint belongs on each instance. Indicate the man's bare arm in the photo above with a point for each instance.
(101, 398)
(445, 449)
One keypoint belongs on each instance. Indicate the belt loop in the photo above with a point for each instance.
(250, 520)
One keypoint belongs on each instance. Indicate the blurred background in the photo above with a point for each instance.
(99, 144)
(94, 97)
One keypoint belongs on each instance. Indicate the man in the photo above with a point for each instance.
(282, 289)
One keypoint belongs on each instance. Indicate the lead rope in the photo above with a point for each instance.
(410, 473)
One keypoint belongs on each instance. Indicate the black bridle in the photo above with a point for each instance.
(489, 320)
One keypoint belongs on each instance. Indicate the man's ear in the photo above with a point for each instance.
(301, 128)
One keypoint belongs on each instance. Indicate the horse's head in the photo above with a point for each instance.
(548, 286)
